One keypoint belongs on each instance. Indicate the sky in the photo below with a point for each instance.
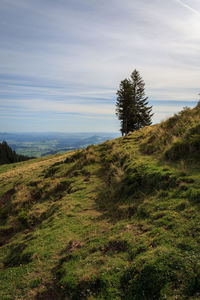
(61, 62)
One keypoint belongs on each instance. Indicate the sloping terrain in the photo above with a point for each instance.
(115, 221)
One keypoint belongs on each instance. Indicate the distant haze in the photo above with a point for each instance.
(61, 62)
(42, 144)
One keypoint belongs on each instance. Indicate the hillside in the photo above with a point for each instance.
(118, 220)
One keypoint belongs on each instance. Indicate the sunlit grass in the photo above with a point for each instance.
(106, 222)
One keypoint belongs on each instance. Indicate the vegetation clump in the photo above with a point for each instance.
(17, 256)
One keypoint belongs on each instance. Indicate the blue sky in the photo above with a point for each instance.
(61, 61)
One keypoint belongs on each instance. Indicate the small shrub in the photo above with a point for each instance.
(167, 222)
(58, 190)
(6, 232)
(91, 158)
(50, 172)
(62, 186)
(188, 180)
(102, 285)
(17, 256)
(48, 213)
(147, 278)
(158, 215)
(7, 196)
(163, 194)
(182, 205)
(150, 146)
(116, 246)
(146, 284)
(183, 187)
(138, 249)
(178, 150)
(33, 183)
(35, 283)
(36, 193)
(75, 156)
(22, 217)
(4, 213)
(192, 285)
(144, 211)
(125, 211)
(6, 205)
(185, 244)
(76, 173)
(193, 195)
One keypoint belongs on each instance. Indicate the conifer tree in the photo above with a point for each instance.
(124, 99)
(7, 155)
(132, 106)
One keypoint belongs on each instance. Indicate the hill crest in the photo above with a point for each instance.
(115, 221)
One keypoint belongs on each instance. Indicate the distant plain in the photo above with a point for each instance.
(42, 144)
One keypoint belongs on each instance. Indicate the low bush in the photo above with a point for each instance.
(17, 256)
(178, 150)
(74, 157)
(23, 218)
(152, 277)
(193, 195)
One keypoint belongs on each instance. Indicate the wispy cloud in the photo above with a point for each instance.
(70, 56)
(44, 105)
(188, 7)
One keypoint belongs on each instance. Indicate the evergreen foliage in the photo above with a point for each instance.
(132, 107)
(7, 155)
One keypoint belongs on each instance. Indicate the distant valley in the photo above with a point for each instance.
(42, 144)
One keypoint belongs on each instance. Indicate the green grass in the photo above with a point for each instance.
(111, 222)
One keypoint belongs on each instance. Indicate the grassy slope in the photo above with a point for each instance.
(115, 221)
